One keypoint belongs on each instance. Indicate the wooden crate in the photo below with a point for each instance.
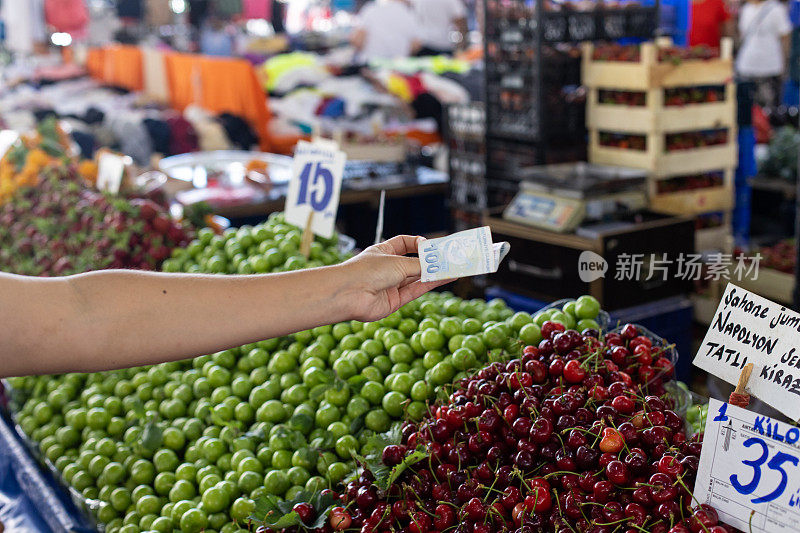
(771, 284)
(389, 152)
(705, 304)
(718, 238)
(649, 73)
(656, 117)
(663, 164)
(693, 201)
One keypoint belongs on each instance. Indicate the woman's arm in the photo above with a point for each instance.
(114, 319)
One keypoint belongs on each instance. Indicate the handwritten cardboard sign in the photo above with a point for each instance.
(317, 172)
(749, 470)
(750, 329)
(110, 171)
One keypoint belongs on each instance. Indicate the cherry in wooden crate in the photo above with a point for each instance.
(662, 109)
(650, 67)
(665, 155)
(692, 194)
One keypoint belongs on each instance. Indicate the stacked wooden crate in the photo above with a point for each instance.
(634, 120)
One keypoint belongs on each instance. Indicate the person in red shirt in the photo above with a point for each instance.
(709, 21)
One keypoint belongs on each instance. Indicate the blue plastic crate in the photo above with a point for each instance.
(791, 93)
(742, 214)
(515, 301)
(41, 499)
(747, 156)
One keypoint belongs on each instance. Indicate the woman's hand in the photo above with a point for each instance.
(121, 318)
(381, 279)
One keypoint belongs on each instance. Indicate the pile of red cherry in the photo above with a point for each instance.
(572, 436)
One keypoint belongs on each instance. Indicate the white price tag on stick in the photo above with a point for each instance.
(7, 140)
(750, 329)
(317, 172)
(110, 170)
(750, 470)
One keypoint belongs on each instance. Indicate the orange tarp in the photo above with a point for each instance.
(94, 62)
(224, 85)
(216, 84)
(119, 65)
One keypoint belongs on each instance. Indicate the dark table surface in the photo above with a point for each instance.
(423, 181)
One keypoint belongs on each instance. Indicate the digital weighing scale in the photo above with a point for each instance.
(562, 197)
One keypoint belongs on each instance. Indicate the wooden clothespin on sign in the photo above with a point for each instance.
(308, 236)
(740, 397)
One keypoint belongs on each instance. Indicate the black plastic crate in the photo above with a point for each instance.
(533, 65)
(539, 100)
(466, 141)
(567, 25)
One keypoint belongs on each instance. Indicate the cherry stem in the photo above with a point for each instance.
(615, 522)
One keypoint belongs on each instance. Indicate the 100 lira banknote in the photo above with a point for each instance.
(466, 253)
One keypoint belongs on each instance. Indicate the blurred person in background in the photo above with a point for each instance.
(386, 29)
(217, 37)
(764, 30)
(710, 20)
(440, 20)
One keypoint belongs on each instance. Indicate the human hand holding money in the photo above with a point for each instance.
(466, 253)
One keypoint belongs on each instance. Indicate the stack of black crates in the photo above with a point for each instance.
(466, 139)
(535, 106)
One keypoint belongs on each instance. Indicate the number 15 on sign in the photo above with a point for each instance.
(316, 182)
(750, 470)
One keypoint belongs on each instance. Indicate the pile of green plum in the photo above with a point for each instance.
(269, 247)
(190, 446)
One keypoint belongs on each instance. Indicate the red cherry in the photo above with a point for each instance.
(598, 392)
(617, 472)
(670, 465)
(420, 523)
(641, 340)
(679, 528)
(703, 518)
(612, 441)
(574, 372)
(623, 404)
(643, 355)
(620, 354)
(538, 499)
(511, 497)
(636, 512)
(550, 328)
(445, 517)
(556, 367)
(511, 412)
(602, 491)
(305, 511)
(340, 519)
(475, 509)
(530, 350)
(518, 513)
(541, 431)
(629, 331)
